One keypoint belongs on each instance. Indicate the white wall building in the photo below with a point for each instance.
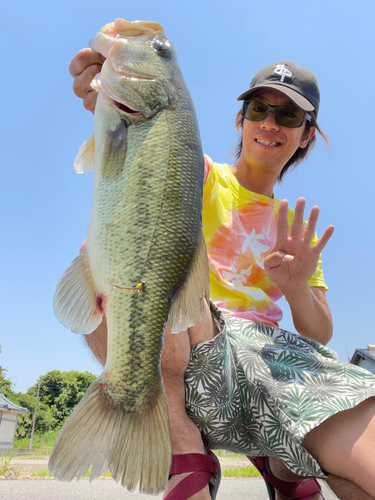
(8, 422)
(365, 358)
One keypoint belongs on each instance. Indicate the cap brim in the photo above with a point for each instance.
(297, 98)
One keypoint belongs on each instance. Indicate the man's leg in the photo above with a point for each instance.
(343, 488)
(175, 358)
(344, 446)
(347, 490)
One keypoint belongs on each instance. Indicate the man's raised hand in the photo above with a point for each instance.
(292, 261)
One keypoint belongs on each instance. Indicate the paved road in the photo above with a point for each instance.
(106, 489)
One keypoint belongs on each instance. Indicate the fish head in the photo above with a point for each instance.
(140, 73)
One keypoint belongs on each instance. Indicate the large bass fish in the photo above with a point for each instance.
(145, 260)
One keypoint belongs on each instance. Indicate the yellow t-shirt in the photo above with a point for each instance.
(239, 227)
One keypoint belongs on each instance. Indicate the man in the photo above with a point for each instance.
(277, 124)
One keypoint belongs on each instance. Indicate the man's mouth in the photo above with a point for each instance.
(267, 143)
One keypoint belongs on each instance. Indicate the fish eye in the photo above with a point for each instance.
(162, 46)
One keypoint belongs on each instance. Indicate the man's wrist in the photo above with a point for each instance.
(295, 292)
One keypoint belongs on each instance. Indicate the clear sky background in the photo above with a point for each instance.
(45, 205)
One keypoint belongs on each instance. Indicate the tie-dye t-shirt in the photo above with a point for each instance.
(239, 227)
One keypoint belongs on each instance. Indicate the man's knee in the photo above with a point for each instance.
(176, 350)
(205, 329)
(176, 353)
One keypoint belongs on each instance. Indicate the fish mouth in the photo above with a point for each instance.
(124, 108)
(133, 76)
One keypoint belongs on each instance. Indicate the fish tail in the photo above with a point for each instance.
(136, 446)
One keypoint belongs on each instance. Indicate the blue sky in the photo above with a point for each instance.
(45, 206)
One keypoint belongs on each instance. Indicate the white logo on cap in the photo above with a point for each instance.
(282, 71)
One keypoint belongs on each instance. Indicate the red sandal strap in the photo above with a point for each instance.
(189, 486)
(202, 467)
(303, 490)
(193, 462)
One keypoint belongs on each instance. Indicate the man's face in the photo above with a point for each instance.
(267, 145)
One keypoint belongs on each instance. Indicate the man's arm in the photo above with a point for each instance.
(311, 315)
(291, 263)
(97, 340)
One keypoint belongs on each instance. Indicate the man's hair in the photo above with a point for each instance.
(299, 156)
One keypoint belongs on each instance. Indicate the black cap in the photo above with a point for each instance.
(299, 84)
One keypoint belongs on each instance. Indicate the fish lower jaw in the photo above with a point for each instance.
(124, 108)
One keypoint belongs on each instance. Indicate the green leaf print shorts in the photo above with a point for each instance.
(258, 390)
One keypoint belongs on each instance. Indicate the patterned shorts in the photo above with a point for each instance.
(258, 390)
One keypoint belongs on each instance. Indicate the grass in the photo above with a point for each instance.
(8, 471)
(40, 473)
(240, 472)
(107, 474)
(223, 453)
(42, 444)
(44, 473)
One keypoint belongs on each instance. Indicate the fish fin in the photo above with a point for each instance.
(188, 302)
(114, 153)
(85, 159)
(75, 303)
(136, 446)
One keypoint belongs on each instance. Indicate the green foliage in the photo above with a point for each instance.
(40, 473)
(240, 472)
(43, 443)
(59, 394)
(62, 391)
(5, 384)
(7, 470)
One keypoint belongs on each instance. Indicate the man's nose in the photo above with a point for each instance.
(269, 123)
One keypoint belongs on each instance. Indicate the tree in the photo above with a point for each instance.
(5, 384)
(59, 394)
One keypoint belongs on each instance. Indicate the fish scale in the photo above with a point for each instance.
(145, 260)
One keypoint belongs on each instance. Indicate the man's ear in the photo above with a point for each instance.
(306, 140)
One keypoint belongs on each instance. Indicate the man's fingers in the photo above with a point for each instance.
(83, 59)
(311, 225)
(323, 240)
(81, 83)
(282, 221)
(297, 225)
(275, 259)
(84, 66)
(89, 101)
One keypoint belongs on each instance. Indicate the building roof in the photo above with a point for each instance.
(6, 405)
(368, 354)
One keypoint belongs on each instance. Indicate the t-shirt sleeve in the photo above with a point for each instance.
(317, 279)
(207, 166)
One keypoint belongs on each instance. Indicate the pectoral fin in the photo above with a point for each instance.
(114, 151)
(75, 303)
(188, 303)
(85, 159)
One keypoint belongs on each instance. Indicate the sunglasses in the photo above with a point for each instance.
(285, 115)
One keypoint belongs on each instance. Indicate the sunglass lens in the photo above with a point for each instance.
(290, 116)
(285, 115)
(256, 111)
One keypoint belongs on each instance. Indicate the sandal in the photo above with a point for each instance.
(303, 490)
(205, 470)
